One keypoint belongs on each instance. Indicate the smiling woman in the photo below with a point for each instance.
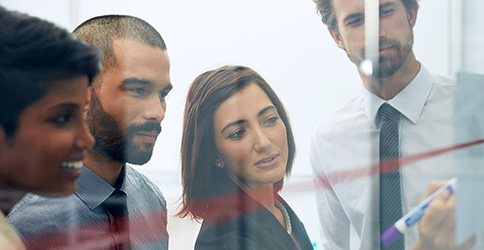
(53, 134)
(45, 74)
(237, 147)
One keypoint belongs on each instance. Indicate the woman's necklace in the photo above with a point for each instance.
(287, 219)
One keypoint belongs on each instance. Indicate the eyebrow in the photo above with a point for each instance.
(386, 4)
(68, 105)
(232, 124)
(133, 80)
(262, 112)
(351, 16)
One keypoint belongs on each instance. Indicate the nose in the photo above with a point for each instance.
(382, 30)
(262, 142)
(84, 138)
(154, 109)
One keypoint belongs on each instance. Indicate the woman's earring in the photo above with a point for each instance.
(220, 164)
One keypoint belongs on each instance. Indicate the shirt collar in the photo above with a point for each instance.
(92, 189)
(410, 101)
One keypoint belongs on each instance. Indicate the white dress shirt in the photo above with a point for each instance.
(345, 159)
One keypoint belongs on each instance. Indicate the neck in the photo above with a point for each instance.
(264, 194)
(9, 196)
(103, 166)
(388, 87)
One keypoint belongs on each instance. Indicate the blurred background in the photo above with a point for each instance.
(283, 40)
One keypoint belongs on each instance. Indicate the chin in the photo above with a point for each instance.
(272, 180)
(139, 159)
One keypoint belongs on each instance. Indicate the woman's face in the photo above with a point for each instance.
(251, 138)
(44, 155)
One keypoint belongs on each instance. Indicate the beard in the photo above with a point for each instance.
(115, 142)
(390, 64)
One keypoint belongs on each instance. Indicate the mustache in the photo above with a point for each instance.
(383, 42)
(392, 42)
(147, 126)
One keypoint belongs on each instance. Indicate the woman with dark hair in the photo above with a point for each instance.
(45, 74)
(237, 147)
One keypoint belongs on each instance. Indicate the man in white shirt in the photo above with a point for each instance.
(345, 147)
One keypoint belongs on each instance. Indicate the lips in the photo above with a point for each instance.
(384, 50)
(267, 161)
(148, 136)
(384, 47)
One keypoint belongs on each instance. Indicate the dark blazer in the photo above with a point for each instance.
(243, 223)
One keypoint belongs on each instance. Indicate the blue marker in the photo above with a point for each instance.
(400, 227)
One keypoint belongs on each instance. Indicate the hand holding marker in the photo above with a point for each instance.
(400, 227)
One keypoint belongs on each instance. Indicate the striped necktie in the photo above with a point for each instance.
(390, 195)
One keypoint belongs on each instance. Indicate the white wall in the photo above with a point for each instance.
(284, 40)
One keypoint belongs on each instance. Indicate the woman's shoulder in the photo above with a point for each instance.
(229, 231)
(298, 227)
(225, 222)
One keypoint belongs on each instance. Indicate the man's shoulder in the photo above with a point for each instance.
(342, 117)
(443, 80)
(33, 212)
(139, 182)
(443, 84)
(139, 178)
(40, 203)
(442, 92)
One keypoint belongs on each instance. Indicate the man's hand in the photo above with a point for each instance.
(437, 226)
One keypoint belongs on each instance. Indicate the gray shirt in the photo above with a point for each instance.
(80, 221)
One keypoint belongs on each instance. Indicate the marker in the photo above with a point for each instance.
(400, 227)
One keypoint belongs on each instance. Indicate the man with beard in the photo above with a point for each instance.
(361, 189)
(114, 206)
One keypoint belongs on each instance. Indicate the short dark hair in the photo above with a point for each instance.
(101, 31)
(325, 10)
(33, 53)
(201, 178)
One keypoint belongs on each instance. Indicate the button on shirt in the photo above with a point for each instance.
(345, 158)
(80, 221)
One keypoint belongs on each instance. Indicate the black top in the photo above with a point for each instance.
(240, 222)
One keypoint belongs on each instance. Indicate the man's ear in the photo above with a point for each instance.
(89, 96)
(412, 15)
(337, 38)
(90, 89)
